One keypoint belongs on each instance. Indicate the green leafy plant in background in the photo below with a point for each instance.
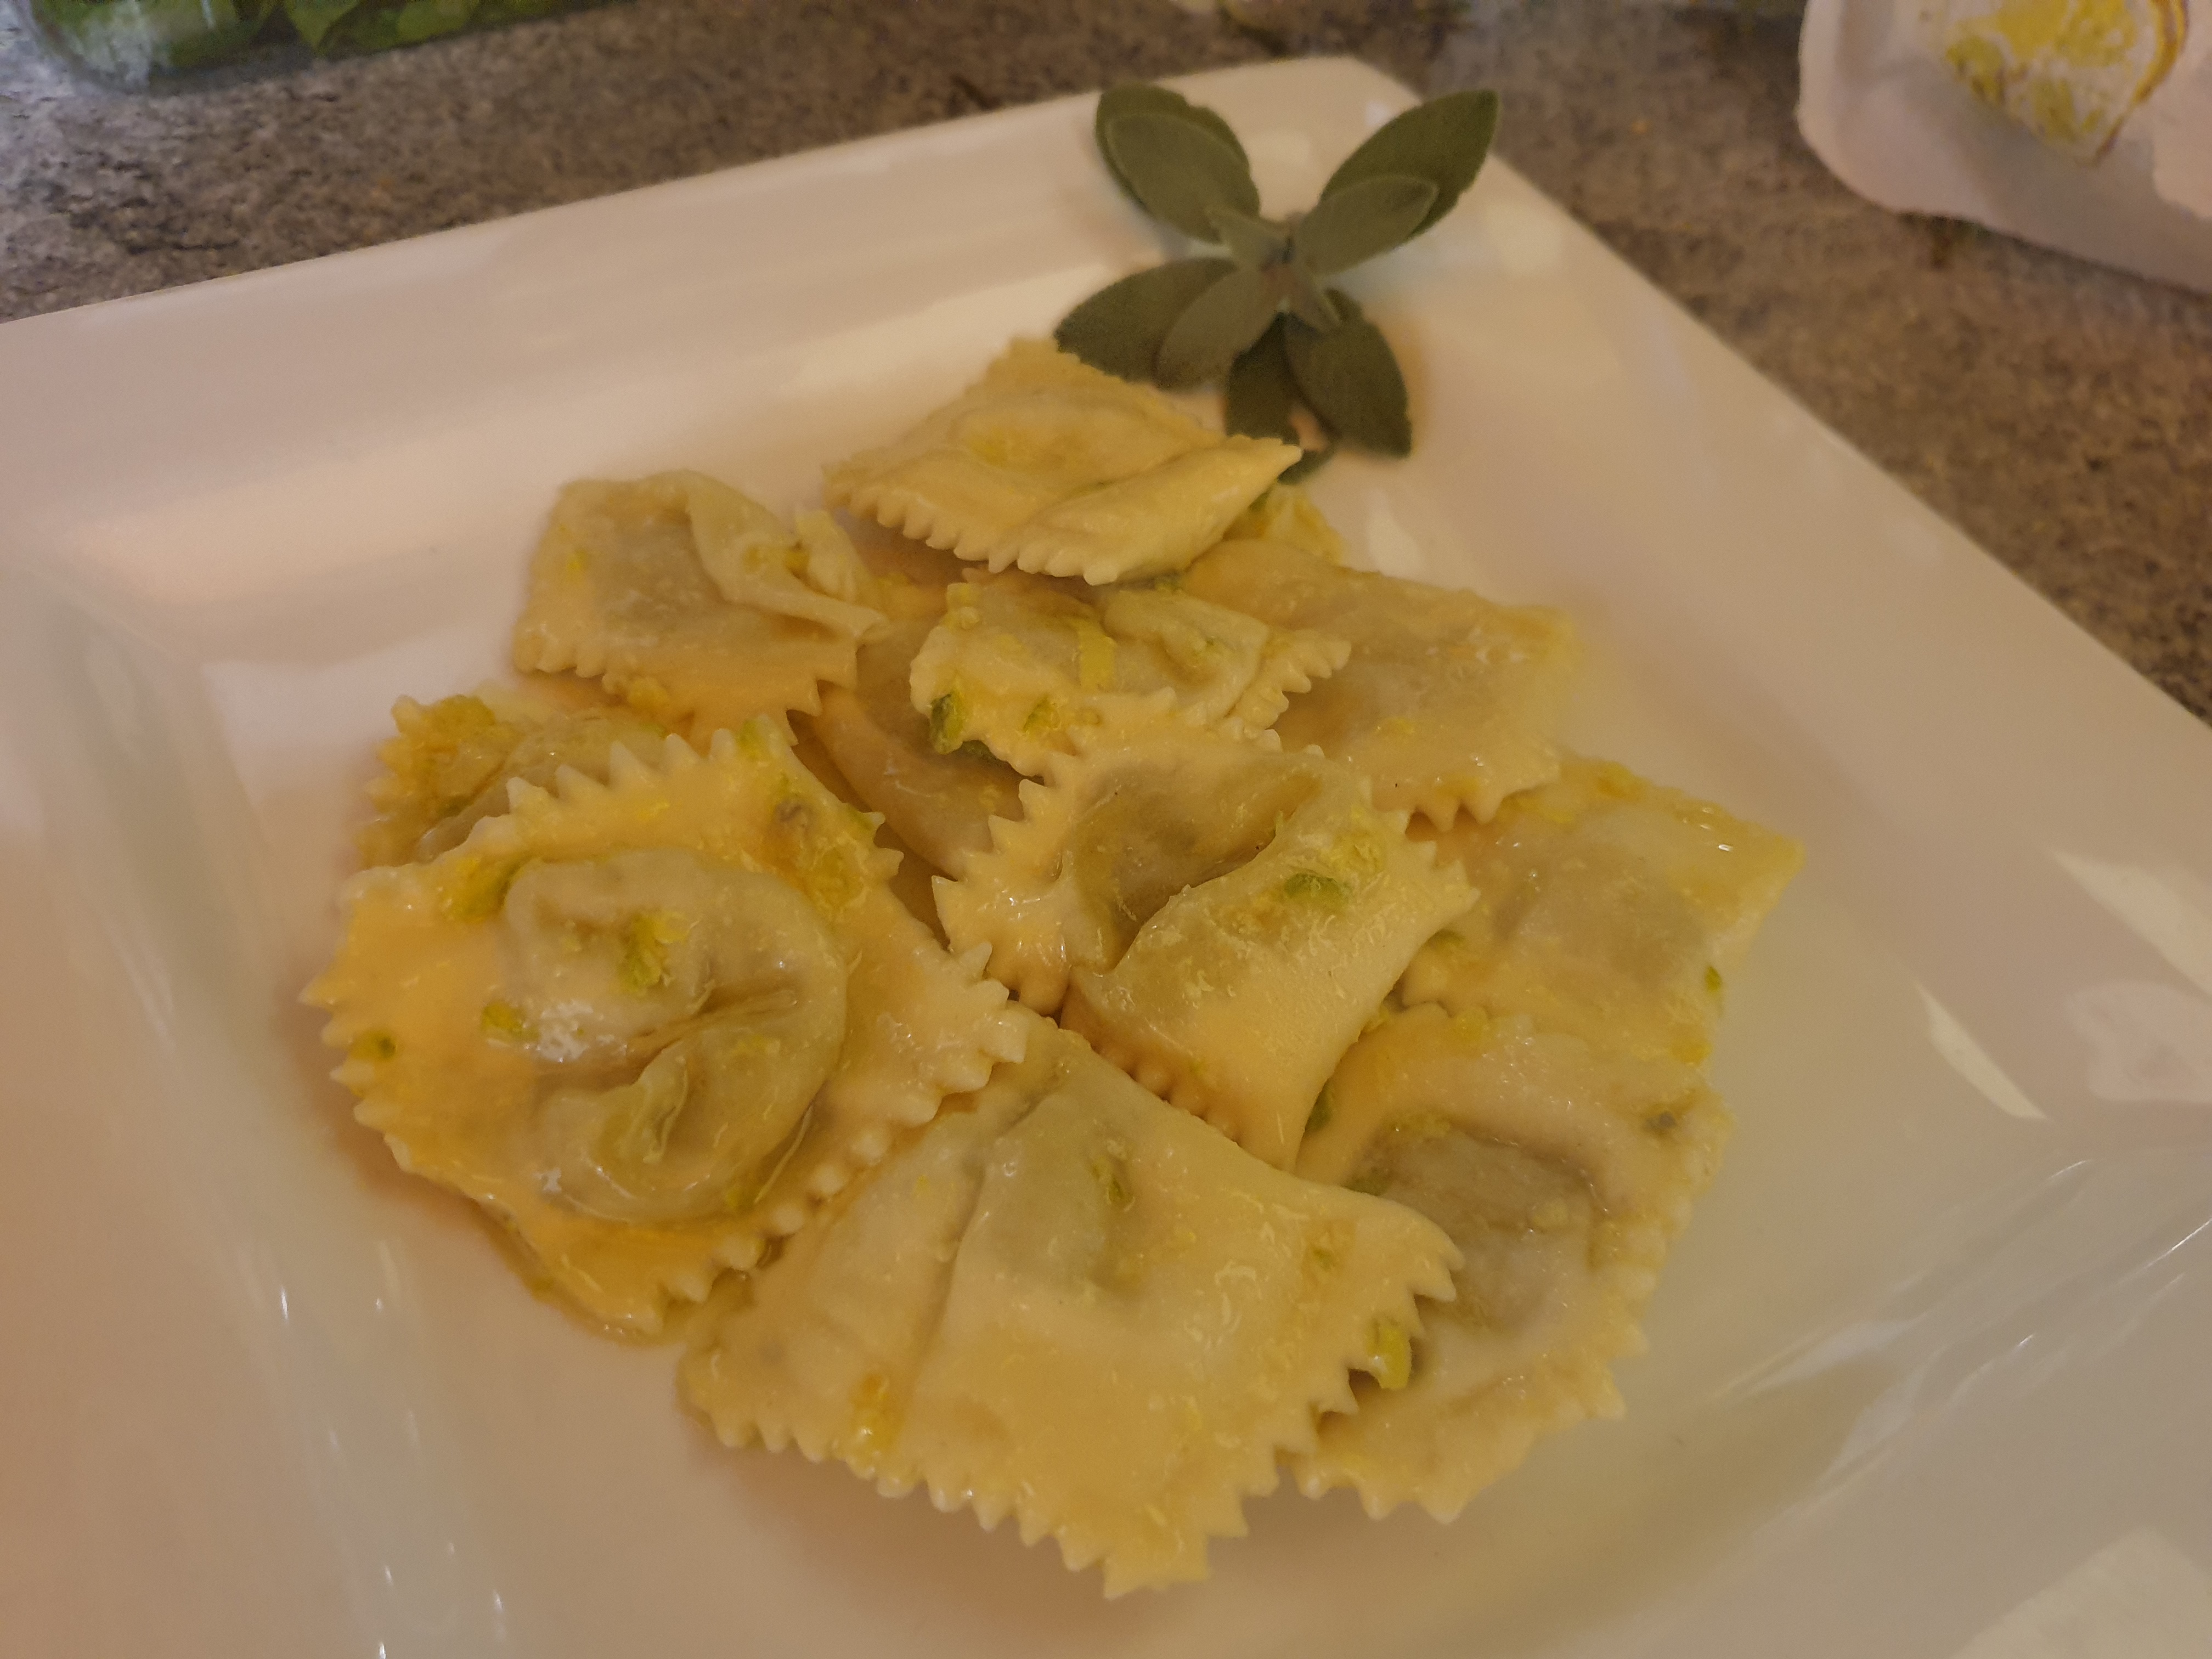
(130, 41)
(1259, 317)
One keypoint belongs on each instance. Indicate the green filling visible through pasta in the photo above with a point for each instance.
(1147, 840)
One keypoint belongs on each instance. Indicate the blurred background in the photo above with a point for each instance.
(2059, 411)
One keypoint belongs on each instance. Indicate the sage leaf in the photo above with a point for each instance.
(1119, 329)
(1254, 243)
(1348, 377)
(1307, 465)
(1304, 297)
(1141, 98)
(1257, 396)
(1443, 141)
(1361, 221)
(1178, 171)
(1218, 325)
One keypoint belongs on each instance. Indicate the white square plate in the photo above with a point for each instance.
(1929, 1368)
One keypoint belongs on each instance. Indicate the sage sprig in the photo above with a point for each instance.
(1262, 319)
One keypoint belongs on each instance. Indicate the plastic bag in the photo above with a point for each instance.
(2082, 125)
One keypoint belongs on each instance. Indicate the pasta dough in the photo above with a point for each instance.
(1045, 465)
(1608, 907)
(1448, 701)
(940, 804)
(1018, 665)
(452, 762)
(1562, 1173)
(1237, 998)
(906, 578)
(647, 1024)
(692, 602)
(1076, 1306)
(1287, 514)
(1120, 831)
(1228, 916)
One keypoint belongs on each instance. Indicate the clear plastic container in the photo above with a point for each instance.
(132, 43)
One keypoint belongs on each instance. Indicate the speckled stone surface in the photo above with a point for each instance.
(2061, 414)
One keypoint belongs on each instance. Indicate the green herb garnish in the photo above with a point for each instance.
(1263, 321)
(503, 1022)
(948, 719)
(1310, 887)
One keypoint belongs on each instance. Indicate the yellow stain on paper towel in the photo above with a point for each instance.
(2067, 70)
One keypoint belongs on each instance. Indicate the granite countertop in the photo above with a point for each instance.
(2056, 412)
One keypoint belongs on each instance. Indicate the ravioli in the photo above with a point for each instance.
(1608, 907)
(692, 602)
(939, 803)
(910, 881)
(1048, 466)
(452, 762)
(1287, 514)
(1449, 701)
(1220, 918)
(820, 1350)
(1561, 1173)
(906, 578)
(648, 1025)
(1387, 1128)
(1074, 1305)
(1018, 665)
(1538, 1099)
